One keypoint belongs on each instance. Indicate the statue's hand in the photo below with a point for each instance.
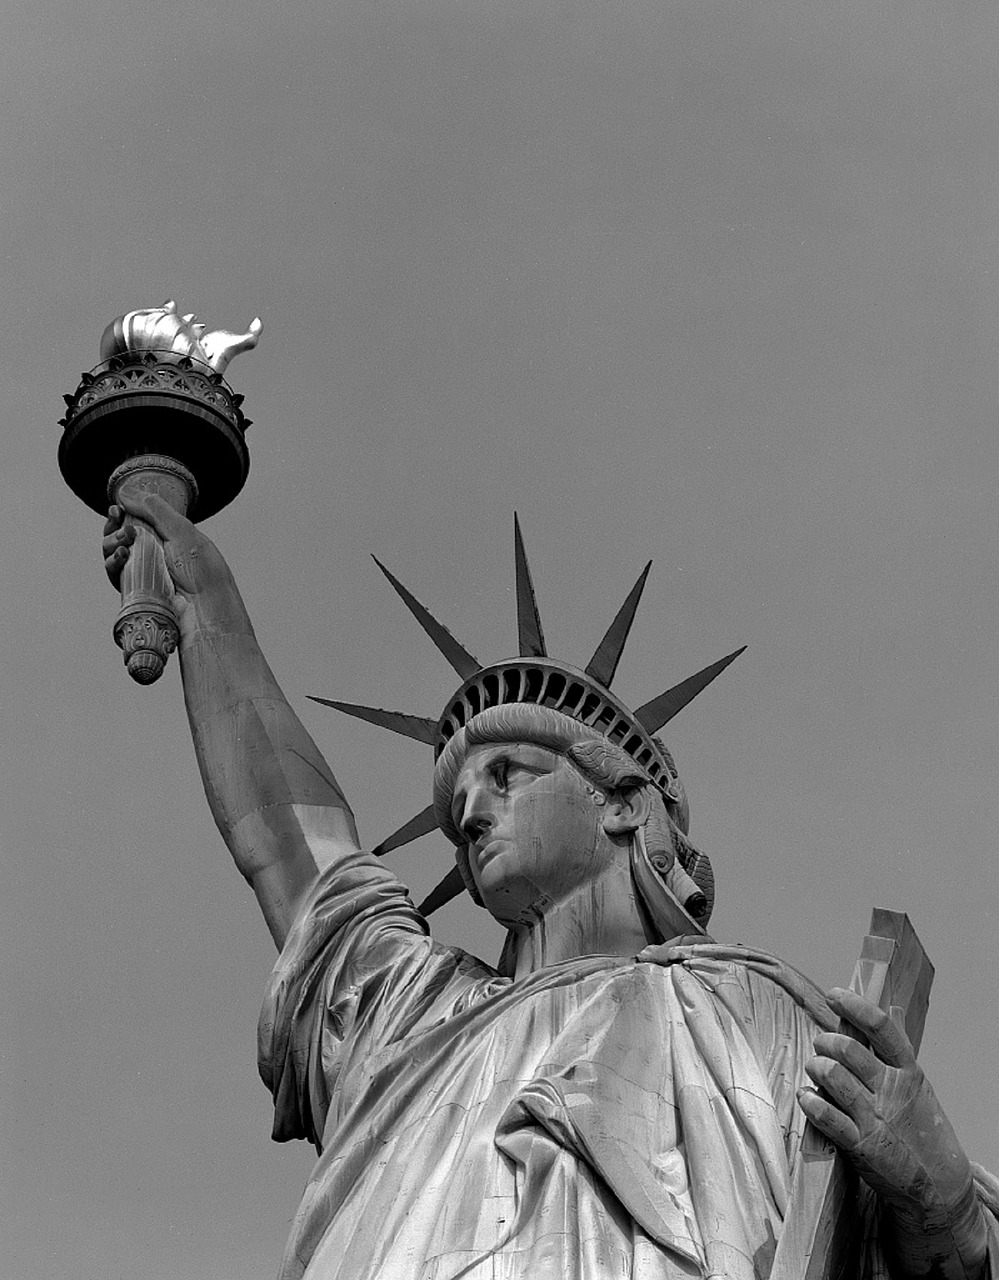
(205, 593)
(879, 1109)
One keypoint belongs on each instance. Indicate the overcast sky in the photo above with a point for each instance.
(710, 282)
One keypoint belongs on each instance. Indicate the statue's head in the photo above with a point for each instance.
(539, 803)
(586, 779)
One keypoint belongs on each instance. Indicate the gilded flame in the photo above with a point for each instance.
(165, 330)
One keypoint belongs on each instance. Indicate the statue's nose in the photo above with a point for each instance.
(476, 816)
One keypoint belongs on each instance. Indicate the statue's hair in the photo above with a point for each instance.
(598, 759)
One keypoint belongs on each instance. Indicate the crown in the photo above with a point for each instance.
(533, 678)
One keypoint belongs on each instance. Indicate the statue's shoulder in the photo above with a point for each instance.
(758, 972)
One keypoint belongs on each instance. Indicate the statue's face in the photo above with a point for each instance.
(533, 825)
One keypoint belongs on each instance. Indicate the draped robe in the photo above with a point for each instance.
(602, 1118)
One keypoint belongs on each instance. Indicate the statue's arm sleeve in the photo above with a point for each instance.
(273, 796)
(875, 1265)
(358, 975)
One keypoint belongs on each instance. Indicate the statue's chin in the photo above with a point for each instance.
(512, 901)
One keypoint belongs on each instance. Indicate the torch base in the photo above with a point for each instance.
(153, 403)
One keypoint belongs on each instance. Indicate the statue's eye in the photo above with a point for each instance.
(499, 771)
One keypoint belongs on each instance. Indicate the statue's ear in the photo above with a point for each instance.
(627, 809)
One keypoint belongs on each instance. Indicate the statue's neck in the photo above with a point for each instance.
(601, 917)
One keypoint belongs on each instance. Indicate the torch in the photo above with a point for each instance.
(156, 416)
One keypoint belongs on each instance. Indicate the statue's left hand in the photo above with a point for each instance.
(879, 1109)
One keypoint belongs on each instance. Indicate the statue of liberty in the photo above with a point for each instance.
(620, 1097)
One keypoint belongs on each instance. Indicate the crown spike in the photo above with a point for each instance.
(449, 888)
(654, 714)
(604, 662)
(419, 727)
(529, 633)
(424, 822)
(460, 659)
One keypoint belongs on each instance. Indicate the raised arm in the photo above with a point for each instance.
(272, 794)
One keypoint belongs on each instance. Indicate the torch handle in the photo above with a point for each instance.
(146, 627)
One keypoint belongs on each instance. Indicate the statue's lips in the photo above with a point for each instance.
(488, 852)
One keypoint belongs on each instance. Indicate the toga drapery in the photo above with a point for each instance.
(600, 1119)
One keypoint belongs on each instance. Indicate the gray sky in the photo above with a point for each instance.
(711, 282)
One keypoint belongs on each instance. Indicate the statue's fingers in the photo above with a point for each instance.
(886, 1037)
(114, 563)
(113, 522)
(119, 539)
(156, 511)
(865, 1065)
(116, 535)
(842, 1088)
(837, 1127)
(115, 546)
